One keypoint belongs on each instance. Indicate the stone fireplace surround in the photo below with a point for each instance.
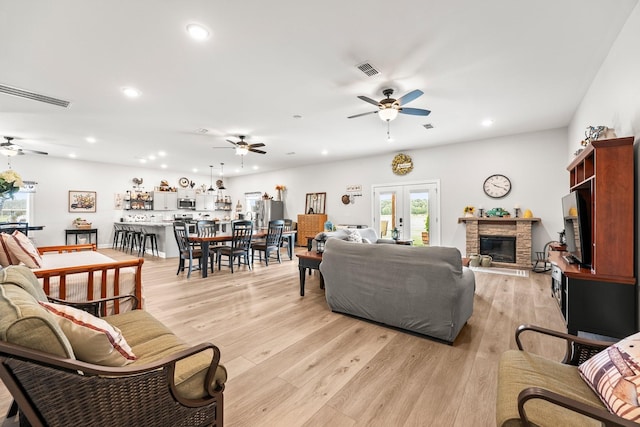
(518, 227)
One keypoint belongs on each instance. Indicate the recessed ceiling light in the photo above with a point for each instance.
(152, 157)
(131, 92)
(72, 155)
(255, 168)
(143, 160)
(195, 170)
(163, 166)
(324, 152)
(162, 153)
(487, 122)
(90, 140)
(198, 32)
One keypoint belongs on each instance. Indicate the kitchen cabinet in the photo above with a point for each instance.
(205, 202)
(186, 193)
(165, 201)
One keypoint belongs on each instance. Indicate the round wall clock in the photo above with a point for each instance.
(183, 182)
(497, 186)
(401, 164)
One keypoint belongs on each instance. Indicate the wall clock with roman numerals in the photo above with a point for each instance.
(497, 186)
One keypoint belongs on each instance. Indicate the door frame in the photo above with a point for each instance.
(434, 216)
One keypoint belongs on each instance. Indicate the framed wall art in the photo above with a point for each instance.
(315, 203)
(82, 201)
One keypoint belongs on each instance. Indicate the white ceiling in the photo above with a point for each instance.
(525, 64)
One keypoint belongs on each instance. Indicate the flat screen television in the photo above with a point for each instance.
(577, 228)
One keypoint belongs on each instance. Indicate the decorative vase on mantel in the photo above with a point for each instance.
(279, 195)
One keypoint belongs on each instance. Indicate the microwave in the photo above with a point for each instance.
(187, 204)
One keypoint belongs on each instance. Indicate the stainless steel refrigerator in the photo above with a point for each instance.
(267, 210)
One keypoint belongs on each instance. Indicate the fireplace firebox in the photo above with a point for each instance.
(500, 248)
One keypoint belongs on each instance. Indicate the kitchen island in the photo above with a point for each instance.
(167, 246)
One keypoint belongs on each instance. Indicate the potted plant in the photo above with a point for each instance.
(469, 210)
(425, 234)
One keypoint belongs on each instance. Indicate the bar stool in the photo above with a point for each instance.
(153, 241)
(135, 237)
(118, 234)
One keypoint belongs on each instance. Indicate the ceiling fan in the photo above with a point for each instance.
(8, 148)
(242, 147)
(389, 108)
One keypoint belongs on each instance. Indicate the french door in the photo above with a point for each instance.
(412, 208)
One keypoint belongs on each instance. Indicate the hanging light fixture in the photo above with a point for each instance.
(211, 189)
(220, 182)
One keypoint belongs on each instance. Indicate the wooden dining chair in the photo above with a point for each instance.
(271, 242)
(186, 249)
(242, 232)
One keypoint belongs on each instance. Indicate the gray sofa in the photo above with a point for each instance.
(419, 289)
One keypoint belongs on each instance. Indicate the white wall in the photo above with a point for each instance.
(535, 163)
(613, 99)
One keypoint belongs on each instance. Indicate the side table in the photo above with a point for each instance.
(77, 231)
(310, 260)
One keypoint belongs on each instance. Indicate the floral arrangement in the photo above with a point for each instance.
(469, 210)
(280, 187)
(10, 183)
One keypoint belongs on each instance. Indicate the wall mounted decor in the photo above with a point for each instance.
(315, 203)
(82, 201)
(401, 164)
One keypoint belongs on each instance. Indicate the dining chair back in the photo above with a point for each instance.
(271, 243)
(241, 234)
(206, 228)
(186, 249)
(10, 227)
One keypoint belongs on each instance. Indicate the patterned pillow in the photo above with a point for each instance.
(6, 255)
(353, 236)
(614, 375)
(93, 340)
(23, 250)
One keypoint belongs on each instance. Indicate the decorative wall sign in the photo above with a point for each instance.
(82, 201)
(315, 203)
(401, 164)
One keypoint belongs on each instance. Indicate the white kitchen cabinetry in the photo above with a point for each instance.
(165, 201)
(205, 202)
(186, 193)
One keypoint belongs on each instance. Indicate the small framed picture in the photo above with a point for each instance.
(82, 201)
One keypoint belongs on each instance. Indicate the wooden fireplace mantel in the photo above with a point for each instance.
(520, 228)
(495, 219)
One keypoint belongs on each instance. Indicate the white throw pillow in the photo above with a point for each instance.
(6, 257)
(93, 339)
(353, 236)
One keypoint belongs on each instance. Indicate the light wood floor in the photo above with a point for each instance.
(292, 362)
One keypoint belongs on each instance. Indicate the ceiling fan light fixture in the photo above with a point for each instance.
(387, 114)
(241, 150)
(8, 152)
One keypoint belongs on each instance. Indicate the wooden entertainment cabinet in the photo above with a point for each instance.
(601, 299)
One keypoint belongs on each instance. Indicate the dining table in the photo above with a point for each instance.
(206, 241)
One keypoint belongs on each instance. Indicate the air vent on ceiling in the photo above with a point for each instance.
(428, 126)
(21, 93)
(202, 130)
(368, 69)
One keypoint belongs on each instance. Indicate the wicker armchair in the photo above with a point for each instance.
(49, 390)
(170, 382)
(534, 391)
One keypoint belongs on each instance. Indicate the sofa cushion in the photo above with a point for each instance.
(22, 320)
(519, 370)
(150, 340)
(614, 374)
(93, 340)
(353, 236)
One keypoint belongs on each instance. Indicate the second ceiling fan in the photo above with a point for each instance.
(389, 108)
